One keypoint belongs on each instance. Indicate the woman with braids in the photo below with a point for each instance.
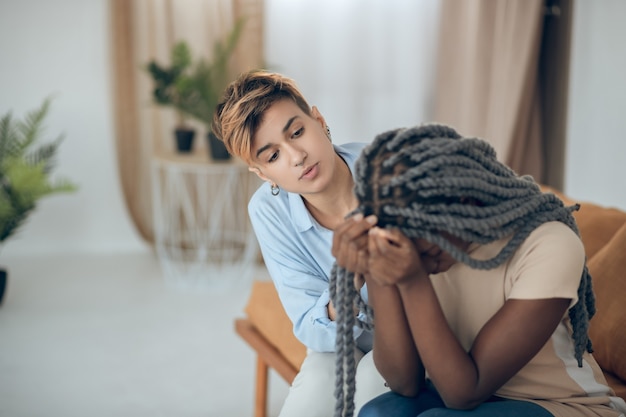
(477, 280)
(264, 120)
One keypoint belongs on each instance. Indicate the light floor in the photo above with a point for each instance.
(104, 335)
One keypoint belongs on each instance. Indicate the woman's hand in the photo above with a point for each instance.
(332, 313)
(393, 258)
(350, 243)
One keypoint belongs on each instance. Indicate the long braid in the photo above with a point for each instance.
(416, 180)
(344, 296)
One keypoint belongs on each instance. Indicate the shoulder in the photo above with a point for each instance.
(549, 263)
(281, 216)
(554, 237)
(354, 147)
(263, 204)
(349, 152)
(552, 243)
(350, 149)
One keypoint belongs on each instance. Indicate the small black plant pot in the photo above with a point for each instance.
(184, 139)
(217, 147)
(3, 283)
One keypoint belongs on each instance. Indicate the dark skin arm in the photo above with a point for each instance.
(395, 354)
(503, 346)
(392, 338)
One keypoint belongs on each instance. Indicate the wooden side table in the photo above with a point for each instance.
(203, 237)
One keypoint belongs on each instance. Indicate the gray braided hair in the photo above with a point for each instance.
(416, 180)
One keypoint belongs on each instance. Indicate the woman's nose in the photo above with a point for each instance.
(298, 156)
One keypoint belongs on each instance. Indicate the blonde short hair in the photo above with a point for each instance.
(241, 110)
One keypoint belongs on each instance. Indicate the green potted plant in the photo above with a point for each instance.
(209, 79)
(194, 88)
(173, 88)
(25, 169)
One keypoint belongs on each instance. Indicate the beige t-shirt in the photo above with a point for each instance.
(548, 264)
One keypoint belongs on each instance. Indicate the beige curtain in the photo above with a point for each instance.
(487, 80)
(147, 29)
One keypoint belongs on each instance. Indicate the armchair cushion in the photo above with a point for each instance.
(266, 313)
(607, 328)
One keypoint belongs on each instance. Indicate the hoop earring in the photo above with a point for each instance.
(275, 190)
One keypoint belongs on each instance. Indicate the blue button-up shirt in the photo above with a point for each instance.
(297, 252)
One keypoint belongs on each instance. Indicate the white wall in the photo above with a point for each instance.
(61, 47)
(366, 64)
(596, 149)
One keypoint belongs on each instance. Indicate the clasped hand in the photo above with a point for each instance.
(385, 256)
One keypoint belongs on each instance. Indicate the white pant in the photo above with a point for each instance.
(312, 391)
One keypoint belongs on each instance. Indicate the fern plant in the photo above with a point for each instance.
(25, 168)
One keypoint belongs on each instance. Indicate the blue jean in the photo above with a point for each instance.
(429, 404)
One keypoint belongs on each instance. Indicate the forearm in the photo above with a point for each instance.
(449, 366)
(394, 352)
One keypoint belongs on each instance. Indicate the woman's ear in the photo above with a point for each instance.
(259, 174)
(315, 113)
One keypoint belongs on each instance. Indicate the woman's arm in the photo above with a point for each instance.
(503, 346)
(299, 266)
(395, 355)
